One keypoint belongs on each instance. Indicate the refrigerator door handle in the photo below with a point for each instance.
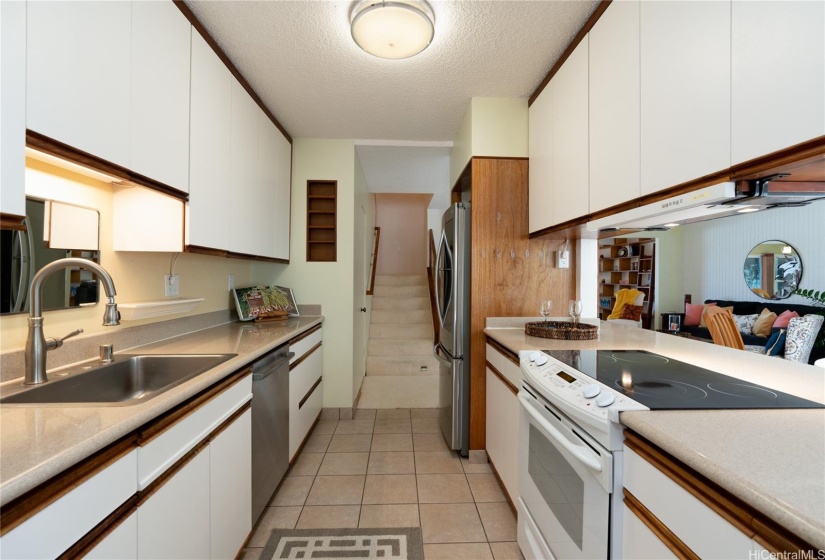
(441, 355)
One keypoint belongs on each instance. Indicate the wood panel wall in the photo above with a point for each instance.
(511, 273)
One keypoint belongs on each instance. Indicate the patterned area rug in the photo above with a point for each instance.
(387, 544)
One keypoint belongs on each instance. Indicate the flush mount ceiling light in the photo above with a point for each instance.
(395, 30)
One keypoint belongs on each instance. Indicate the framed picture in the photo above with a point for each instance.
(634, 265)
(674, 323)
(260, 301)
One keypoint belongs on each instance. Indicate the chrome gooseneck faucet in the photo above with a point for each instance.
(36, 343)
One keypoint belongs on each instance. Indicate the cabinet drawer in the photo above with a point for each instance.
(502, 363)
(159, 452)
(69, 518)
(120, 544)
(301, 419)
(638, 541)
(304, 343)
(303, 376)
(305, 397)
(703, 530)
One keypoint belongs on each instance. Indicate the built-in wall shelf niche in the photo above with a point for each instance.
(322, 232)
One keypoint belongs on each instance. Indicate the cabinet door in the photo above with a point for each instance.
(305, 397)
(570, 138)
(146, 220)
(502, 432)
(266, 187)
(244, 205)
(541, 161)
(614, 106)
(120, 544)
(174, 521)
(685, 77)
(778, 82)
(159, 100)
(230, 487)
(207, 220)
(78, 78)
(13, 107)
(639, 542)
(283, 196)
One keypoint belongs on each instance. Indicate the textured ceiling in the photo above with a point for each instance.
(299, 57)
(408, 169)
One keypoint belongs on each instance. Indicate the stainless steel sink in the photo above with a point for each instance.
(129, 379)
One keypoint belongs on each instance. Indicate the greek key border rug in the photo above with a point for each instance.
(404, 543)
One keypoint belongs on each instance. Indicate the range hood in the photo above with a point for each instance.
(716, 201)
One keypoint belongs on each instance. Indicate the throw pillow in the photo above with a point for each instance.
(802, 333)
(785, 318)
(763, 324)
(632, 312)
(776, 343)
(702, 322)
(744, 323)
(693, 314)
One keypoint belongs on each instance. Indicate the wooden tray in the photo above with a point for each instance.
(562, 330)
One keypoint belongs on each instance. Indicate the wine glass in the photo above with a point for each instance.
(546, 308)
(575, 309)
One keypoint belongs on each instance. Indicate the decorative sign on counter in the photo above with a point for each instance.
(265, 303)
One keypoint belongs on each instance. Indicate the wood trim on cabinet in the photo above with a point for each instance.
(588, 25)
(160, 425)
(298, 362)
(506, 352)
(187, 12)
(501, 484)
(56, 148)
(90, 540)
(507, 383)
(12, 221)
(248, 257)
(40, 497)
(309, 393)
(668, 538)
(228, 422)
(200, 250)
(166, 476)
(306, 438)
(744, 517)
(305, 334)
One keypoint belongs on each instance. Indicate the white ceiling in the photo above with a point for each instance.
(299, 57)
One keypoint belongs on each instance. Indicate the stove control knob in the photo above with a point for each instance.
(591, 391)
(532, 357)
(541, 360)
(605, 399)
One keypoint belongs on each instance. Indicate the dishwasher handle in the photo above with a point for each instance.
(271, 368)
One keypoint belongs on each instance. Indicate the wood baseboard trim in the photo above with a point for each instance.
(668, 538)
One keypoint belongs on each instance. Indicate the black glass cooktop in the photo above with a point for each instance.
(662, 383)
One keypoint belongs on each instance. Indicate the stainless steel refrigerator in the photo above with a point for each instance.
(452, 290)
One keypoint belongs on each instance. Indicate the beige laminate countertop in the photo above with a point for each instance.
(39, 442)
(773, 460)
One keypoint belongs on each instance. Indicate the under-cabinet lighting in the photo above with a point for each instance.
(749, 209)
(70, 166)
(674, 224)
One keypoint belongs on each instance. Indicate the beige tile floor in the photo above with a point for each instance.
(392, 468)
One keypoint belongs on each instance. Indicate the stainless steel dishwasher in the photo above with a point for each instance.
(270, 425)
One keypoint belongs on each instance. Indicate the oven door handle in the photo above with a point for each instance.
(579, 451)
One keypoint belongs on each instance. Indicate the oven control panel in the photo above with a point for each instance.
(557, 382)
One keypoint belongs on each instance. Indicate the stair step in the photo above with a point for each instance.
(402, 291)
(395, 366)
(386, 330)
(401, 280)
(401, 303)
(380, 316)
(399, 392)
(400, 347)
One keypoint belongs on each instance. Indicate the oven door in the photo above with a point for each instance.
(565, 481)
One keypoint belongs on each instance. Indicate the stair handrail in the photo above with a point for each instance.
(374, 260)
(431, 272)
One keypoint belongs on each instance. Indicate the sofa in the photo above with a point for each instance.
(756, 307)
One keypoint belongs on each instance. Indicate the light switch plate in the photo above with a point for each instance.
(171, 285)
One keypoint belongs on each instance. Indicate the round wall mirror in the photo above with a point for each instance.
(773, 270)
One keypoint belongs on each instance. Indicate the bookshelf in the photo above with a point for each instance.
(322, 232)
(627, 263)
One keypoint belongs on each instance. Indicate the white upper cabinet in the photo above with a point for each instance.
(207, 218)
(283, 191)
(159, 101)
(778, 79)
(541, 161)
(266, 187)
(685, 91)
(570, 137)
(614, 106)
(245, 208)
(12, 107)
(78, 75)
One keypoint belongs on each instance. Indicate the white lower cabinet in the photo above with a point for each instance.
(306, 388)
(639, 542)
(502, 432)
(120, 544)
(230, 487)
(174, 521)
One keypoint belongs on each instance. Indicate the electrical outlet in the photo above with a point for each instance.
(171, 285)
(562, 259)
(422, 369)
(231, 281)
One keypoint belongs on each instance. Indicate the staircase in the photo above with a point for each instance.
(401, 369)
